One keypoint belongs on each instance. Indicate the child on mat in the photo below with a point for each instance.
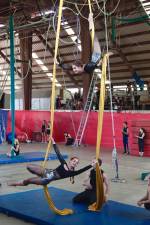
(146, 199)
(15, 150)
(68, 139)
(141, 137)
(45, 176)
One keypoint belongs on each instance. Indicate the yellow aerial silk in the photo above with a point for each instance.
(48, 197)
(99, 180)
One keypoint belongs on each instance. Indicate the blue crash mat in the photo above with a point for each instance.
(32, 206)
(27, 157)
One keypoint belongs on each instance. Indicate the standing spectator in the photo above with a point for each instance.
(94, 104)
(141, 141)
(97, 94)
(58, 102)
(43, 130)
(79, 105)
(75, 96)
(125, 134)
(48, 130)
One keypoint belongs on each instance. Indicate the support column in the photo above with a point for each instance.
(26, 65)
(86, 53)
(12, 75)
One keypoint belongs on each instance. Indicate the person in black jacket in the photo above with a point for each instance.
(125, 135)
(45, 176)
(88, 196)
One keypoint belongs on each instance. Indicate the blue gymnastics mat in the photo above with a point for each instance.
(31, 206)
(28, 157)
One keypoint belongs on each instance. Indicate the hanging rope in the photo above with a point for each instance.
(46, 191)
(114, 152)
(12, 69)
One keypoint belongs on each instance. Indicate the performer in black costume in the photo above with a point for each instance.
(78, 68)
(45, 176)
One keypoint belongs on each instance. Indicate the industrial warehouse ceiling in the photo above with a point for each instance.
(38, 18)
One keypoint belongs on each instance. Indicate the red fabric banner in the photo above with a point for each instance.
(31, 122)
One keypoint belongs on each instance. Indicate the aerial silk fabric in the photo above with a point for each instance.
(3, 124)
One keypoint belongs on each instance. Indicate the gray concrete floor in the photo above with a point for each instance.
(130, 169)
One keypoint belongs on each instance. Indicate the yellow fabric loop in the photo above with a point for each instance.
(47, 195)
(99, 179)
(52, 206)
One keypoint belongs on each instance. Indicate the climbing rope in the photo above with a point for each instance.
(114, 152)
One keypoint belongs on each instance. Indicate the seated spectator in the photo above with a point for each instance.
(88, 196)
(146, 199)
(68, 139)
(15, 150)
